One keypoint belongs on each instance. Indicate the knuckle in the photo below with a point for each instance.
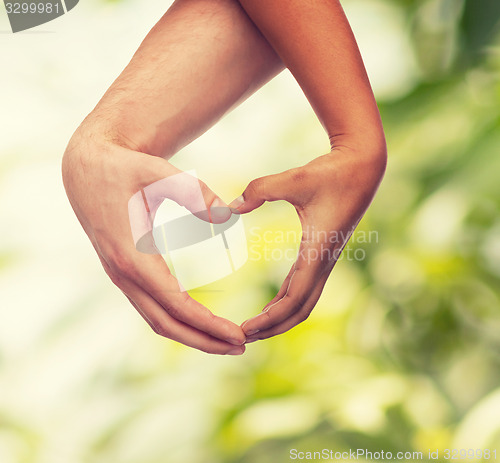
(122, 264)
(116, 279)
(160, 329)
(254, 187)
(303, 316)
(297, 300)
(175, 308)
(212, 320)
(269, 315)
(175, 312)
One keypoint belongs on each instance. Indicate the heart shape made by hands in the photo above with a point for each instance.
(206, 234)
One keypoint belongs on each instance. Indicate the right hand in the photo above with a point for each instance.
(100, 178)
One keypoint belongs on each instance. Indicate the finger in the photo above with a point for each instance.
(310, 265)
(151, 273)
(293, 320)
(297, 293)
(189, 192)
(163, 324)
(181, 187)
(268, 188)
(283, 288)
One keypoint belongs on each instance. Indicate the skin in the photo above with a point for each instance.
(331, 193)
(158, 104)
(201, 60)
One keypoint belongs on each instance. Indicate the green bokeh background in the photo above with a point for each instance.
(402, 352)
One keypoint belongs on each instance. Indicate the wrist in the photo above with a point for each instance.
(363, 154)
(106, 127)
(99, 133)
(369, 144)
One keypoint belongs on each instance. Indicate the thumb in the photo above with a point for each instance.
(269, 188)
(189, 192)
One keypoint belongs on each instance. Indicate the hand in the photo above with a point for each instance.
(175, 87)
(100, 179)
(330, 195)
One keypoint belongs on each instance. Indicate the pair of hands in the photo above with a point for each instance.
(198, 62)
(330, 195)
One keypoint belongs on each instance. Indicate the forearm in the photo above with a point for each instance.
(315, 41)
(199, 61)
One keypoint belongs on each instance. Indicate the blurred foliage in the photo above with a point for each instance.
(415, 352)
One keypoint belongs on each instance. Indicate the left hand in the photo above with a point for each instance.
(330, 195)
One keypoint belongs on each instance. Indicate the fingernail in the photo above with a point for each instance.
(235, 341)
(249, 333)
(236, 204)
(219, 212)
(235, 352)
